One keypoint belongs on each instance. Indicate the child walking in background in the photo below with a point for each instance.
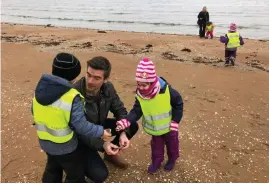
(209, 30)
(232, 41)
(161, 107)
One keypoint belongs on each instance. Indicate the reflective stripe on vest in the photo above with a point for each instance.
(155, 128)
(157, 113)
(51, 121)
(158, 117)
(234, 40)
(62, 105)
(57, 133)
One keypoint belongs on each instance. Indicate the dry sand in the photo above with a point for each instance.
(224, 135)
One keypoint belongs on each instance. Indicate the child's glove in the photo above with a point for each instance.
(122, 124)
(223, 39)
(174, 126)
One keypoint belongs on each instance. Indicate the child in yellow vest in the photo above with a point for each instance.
(209, 30)
(232, 41)
(161, 107)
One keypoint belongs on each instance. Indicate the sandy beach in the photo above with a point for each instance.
(224, 132)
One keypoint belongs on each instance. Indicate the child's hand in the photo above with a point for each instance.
(174, 126)
(122, 124)
(223, 39)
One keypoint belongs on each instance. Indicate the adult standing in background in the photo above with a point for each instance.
(203, 18)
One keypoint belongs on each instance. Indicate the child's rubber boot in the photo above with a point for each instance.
(153, 168)
(169, 165)
(226, 64)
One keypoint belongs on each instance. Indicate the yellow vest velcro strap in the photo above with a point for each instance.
(154, 127)
(158, 117)
(62, 105)
(56, 133)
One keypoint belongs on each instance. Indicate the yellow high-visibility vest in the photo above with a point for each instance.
(51, 121)
(234, 40)
(210, 27)
(157, 113)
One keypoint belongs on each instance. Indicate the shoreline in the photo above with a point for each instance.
(207, 51)
(85, 28)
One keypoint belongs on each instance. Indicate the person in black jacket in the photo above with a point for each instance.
(203, 18)
(100, 99)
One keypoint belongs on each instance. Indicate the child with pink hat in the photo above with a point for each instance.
(161, 109)
(232, 41)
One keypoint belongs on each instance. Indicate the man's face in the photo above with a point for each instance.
(204, 9)
(94, 79)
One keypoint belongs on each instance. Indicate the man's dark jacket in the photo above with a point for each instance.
(97, 108)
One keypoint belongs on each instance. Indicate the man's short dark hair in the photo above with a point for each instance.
(100, 63)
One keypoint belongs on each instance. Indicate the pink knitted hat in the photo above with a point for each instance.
(233, 27)
(145, 71)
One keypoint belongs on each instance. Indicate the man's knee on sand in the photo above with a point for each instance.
(50, 177)
(98, 175)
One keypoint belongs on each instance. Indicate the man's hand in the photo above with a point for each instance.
(124, 141)
(111, 149)
(107, 136)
